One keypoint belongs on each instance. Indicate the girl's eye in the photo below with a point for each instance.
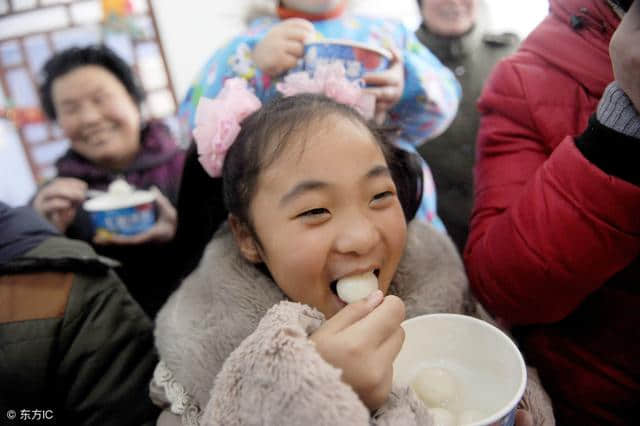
(314, 212)
(381, 198)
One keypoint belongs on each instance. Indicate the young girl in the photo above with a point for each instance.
(257, 334)
(416, 94)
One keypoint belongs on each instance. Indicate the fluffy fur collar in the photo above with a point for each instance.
(222, 301)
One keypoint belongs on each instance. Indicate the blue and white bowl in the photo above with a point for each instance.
(357, 58)
(122, 215)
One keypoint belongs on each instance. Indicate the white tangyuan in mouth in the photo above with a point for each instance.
(357, 287)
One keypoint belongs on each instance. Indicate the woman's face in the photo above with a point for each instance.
(98, 115)
(449, 17)
(325, 209)
(311, 6)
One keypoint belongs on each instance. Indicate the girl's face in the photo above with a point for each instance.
(326, 208)
(98, 115)
(311, 6)
(449, 17)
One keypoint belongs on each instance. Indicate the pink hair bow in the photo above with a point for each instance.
(330, 79)
(217, 122)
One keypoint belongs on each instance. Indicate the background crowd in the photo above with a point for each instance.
(517, 195)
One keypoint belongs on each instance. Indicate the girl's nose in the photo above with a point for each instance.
(357, 236)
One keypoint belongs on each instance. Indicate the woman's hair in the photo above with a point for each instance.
(69, 59)
(265, 134)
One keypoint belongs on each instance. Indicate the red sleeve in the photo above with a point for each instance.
(548, 228)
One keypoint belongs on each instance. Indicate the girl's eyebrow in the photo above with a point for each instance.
(304, 186)
(378, 170)
(311, 185)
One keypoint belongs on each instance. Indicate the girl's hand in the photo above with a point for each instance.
(162, 231)
(58, 201)
(362, 340)
(523, 418)
(625, 54)
(282, 46)
(388, 86)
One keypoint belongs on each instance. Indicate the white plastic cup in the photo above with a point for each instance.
(484, 361)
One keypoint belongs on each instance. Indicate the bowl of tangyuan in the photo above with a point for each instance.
(357, 58)
(122, 210)
(465, 370)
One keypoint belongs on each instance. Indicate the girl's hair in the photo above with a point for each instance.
(68, 60)
(202, 198)
(265, 134)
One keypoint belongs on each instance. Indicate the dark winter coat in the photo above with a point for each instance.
(451, 155)
(73, 343)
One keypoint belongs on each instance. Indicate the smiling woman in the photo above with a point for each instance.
(93, 96)
(98, 115)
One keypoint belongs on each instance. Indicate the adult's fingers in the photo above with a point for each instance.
(54, 204)
(165, 209)
(73, 190)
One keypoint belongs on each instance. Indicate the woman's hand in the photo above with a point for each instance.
(59, 200)
(162, 231)
(624, 51)
(362, 340)
(387, 86)
(282, 46)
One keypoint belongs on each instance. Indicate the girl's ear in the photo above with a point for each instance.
(244, 239)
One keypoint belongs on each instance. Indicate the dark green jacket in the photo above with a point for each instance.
(451, 155)
(72, 340)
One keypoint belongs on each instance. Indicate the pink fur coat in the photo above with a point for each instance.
(234, 351)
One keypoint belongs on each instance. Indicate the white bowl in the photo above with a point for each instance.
(486, 364)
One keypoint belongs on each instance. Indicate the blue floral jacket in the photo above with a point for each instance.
(427, 106)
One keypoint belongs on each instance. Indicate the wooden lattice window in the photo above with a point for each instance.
(32, 30)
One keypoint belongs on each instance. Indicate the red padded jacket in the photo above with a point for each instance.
(555, 242)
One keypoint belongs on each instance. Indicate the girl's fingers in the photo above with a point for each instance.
(389, 348)
(382, 322)
(352, 313)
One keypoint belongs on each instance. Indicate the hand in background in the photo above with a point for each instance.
(387, 85)
(162, 231)
(362, 340)
(624, 50)
(282, 46)
(59, 200)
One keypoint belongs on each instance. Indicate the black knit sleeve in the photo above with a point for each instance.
(614, 153)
